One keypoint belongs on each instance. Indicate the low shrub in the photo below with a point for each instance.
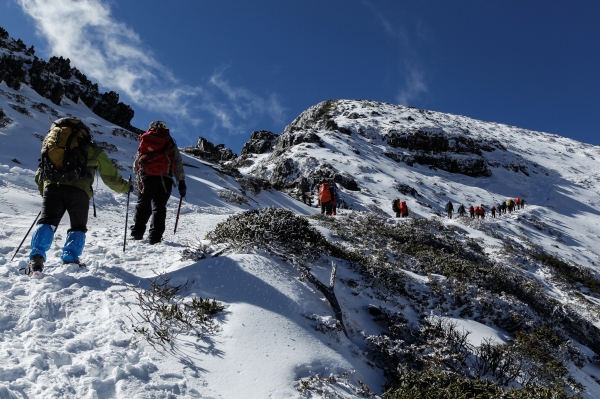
(435, 384)
(568, 272)
(233, 197)
(274, 229)
(162, 316)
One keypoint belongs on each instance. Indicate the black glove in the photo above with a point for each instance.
(182, 188)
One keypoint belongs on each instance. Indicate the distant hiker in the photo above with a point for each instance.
(499, 208)
(156, 163)
(482, 211)
(518, 203)
(396, 206)
(510, 204)
(449, 208)
(471, 211)
(403, 209)
(305, 191)
(334, 198)
(493, 210)
(325, 197)
(522, 203)
(461, 210)
(64, 178)
(503, 205)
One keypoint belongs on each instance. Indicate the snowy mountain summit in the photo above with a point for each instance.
(294, 304)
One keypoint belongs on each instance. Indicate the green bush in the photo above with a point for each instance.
(433, 384)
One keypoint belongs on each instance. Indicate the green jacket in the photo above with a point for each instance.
(97, 161)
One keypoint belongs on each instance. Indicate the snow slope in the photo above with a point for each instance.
(69, 335)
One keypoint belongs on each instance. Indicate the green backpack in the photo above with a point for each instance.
(65, 151)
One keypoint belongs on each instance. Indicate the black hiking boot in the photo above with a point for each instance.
(36, 265)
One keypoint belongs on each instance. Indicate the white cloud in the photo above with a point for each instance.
(415, 85)
(415, 82)
(114, 55)
(246, 103)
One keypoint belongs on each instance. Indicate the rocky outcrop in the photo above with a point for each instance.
(286, 175)
(291, 138)
(56, 79)
(260, 142)
(452, 153)
(209, 152)
(438, 142)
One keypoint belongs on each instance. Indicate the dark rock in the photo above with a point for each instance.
(327, 172)
(260, 142)
(56, 79)
(331, 125)
(112, 110)
(473, 166)
(405, 189)
(224, 153)
(291, 138)
(283, 169)
(455, 154)
(209, 152)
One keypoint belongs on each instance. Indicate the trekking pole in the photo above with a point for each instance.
(28, 231)
(178, 211)
(127, 215)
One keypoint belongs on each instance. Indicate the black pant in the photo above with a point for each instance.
(326, 208)
(152, 202)
(60, 198)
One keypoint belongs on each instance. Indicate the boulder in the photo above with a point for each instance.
(260, 142)
(209, 152)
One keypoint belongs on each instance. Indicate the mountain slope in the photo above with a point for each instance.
(70, 334)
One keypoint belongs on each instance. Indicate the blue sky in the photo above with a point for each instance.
(224, 69)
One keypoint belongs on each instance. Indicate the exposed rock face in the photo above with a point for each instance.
(112, 110)
(56, 79)
(289, 139)
(437, 142)
(209, 152)
(260, 142)
(452, 153)
(286, 175)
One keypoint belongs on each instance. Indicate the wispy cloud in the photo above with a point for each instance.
(415, 82)
(111, 53)
(415, 85)
(245, 103)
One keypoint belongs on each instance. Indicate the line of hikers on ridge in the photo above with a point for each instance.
(329, 200)
(479, 211)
